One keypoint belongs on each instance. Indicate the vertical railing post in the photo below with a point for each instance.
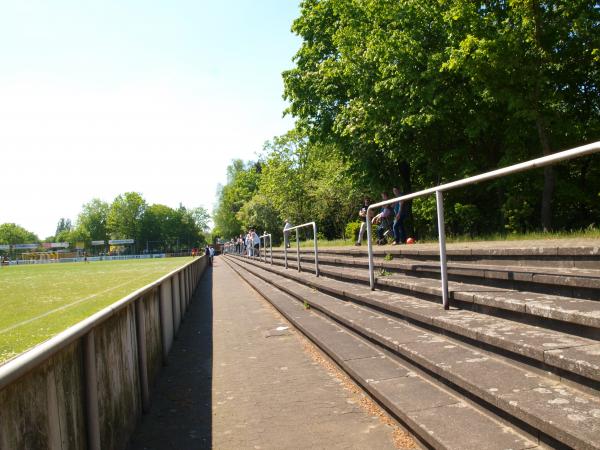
(298, 249)
(439, 198)
(285, 249)
(140, 328)
(264, 237)
(370, 250)
(92, 415)
(175, 302)
(164, 302)
(181, 296)
(316, 250)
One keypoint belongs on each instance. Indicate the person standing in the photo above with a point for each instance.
(400, 214)
(362, 214)
(286, 233)
(256, 243)
(207, 253)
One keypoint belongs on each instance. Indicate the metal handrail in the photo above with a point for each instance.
(438, 191)
(297, 227)
(265, 236)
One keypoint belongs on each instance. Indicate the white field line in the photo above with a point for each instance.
(60, 308)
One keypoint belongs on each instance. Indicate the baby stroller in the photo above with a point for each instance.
(385, 231)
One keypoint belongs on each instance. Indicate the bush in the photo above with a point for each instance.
(352, 230)
(466, 218)
(425, 216)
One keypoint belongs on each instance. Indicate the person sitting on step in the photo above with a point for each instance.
(383, 221)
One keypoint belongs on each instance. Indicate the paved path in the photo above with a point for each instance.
(249, 384)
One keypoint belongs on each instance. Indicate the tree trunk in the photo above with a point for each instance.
(549, 180)
(405, 177)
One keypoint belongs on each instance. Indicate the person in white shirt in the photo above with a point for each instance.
(255, 242)
(286, 233)
(249, 246)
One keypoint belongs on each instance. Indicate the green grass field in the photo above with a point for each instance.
(39, 301)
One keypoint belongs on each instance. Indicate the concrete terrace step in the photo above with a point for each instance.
(438, 417)
(534, 307)
(559, 411)
(568, 253)
(567, 355)
(579, 283)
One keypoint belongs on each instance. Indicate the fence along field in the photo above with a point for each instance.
(41, 300)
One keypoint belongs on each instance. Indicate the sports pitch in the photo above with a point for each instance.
(39, 301)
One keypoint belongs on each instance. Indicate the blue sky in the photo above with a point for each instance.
(99, 98)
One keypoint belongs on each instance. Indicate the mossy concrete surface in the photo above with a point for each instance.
(47, 407)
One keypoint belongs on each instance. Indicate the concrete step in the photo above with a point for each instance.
(559, 410)
(569, 356)
(577, 283)
(439, 417)
(582, 254)
(575, 315)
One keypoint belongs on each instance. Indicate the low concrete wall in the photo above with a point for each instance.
(87, 387)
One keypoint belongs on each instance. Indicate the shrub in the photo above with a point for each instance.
(466, 218)
(352, 230)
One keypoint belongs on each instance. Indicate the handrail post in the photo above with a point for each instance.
(92, 414)
(316, 249)
(439, 199)
(270, 237)
(370, 250)
(316, 252)
(285, 250)
(140, 328)
(298, 249)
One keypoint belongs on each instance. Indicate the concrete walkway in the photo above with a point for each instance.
(238, 378)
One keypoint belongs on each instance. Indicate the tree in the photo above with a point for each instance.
(539, 62)
(93, 218)
(285, 175)
(165, 228)
(260, 214)
(188, 230)
(73, 235)
(201, 217)
(159, 229)
(305, 181)
(242, 184)
(64, 225)
(430, 92)
(124, 219)
(11, 233)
